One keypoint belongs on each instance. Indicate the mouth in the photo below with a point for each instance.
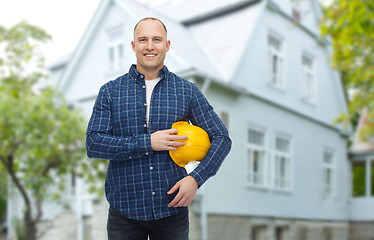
(150, 55)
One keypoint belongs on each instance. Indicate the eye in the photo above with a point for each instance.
(142, 40)
(157, 39)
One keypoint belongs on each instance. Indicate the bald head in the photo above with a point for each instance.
(151, 19)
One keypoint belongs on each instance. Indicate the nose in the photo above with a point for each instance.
(150, 45)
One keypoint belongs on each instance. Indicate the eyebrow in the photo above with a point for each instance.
(151, 37)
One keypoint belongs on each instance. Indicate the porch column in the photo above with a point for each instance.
(368, 177)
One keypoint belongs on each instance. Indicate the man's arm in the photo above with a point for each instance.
(203, 115)
(101, 143)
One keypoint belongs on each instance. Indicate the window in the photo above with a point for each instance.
(276, 61)
(296, 13)
(259, 233)
(309, 84)
(302, 234)
(280, 233)
(328, 173)
(256, 158)
(358, 179)
(225, 118)
(328, 234)
(363, 178)
(116, 48)
(282, 163)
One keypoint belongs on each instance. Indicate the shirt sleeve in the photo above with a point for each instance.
(201, 114)
(100, 141)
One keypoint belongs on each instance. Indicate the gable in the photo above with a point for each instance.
(185, 53)
(309, 12)
(225, 36)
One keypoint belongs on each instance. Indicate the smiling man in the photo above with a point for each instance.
(131, 124)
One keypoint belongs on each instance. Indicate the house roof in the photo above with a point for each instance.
(233, 28)
(192, 10)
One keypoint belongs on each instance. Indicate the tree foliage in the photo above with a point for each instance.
(350, 24)
(41, 136)
(3, 193)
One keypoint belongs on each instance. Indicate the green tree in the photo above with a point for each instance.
(350, 24)
(3, 194)
(41, 137)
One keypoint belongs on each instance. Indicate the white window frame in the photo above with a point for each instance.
(329, 190)
(309, 84)
(255, 179)
(115, 44)
(287, 156)
(277, 79)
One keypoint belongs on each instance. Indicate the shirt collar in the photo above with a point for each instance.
(137, 75)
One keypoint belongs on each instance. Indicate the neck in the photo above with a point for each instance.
(149, 74)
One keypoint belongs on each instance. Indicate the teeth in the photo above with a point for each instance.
(150, 55)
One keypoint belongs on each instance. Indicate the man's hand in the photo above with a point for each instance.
(165, 140)
(187, 191)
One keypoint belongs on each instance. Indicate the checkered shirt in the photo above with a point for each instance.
(139, 178)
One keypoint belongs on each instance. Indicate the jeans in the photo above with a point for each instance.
(174, 227)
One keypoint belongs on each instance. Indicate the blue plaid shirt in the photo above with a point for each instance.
(138, 178)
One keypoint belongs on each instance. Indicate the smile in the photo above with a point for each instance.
(150, 55)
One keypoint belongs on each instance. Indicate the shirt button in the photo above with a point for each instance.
(146, 153)
(141, 76)
(130, 157)
(143, 86)
(151, 168)
(153, 193)
(145, 125)
(145, 104)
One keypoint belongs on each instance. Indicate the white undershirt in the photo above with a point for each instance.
(150, 85)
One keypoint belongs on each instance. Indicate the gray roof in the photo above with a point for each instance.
(187, 10)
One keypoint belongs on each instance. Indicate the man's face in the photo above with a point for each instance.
(150, 45)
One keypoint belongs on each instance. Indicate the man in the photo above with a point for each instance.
(130, 125)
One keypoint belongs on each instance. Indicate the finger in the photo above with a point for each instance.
(186, 203)
(182, 203)
(176, 200)
(174, 188)
(171, 131)
(176, 144)
(178, 137)
(171, 148)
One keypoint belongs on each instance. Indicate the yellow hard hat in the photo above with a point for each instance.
(197, 144)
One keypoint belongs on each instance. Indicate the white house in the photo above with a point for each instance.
(265, 69)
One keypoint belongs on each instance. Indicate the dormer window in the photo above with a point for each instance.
(296, 12)
(309, 82)
(115, 49)
(296, 15)
(276, 61)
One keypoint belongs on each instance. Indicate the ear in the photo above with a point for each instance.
(167, 45)
(133, 45)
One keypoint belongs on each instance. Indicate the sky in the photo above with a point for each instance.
(64, 20)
